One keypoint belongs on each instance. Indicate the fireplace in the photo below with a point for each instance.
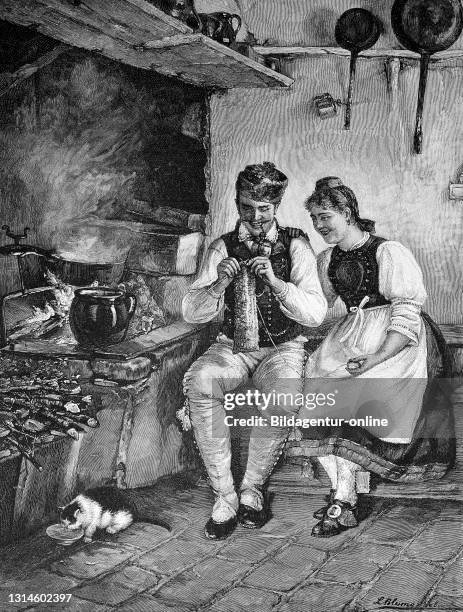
(133, 388)
(106, 164)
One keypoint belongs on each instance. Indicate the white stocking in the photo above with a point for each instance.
(331, 468)
(345, 490)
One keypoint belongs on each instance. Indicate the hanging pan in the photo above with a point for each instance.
(356, 30)
(426, 27)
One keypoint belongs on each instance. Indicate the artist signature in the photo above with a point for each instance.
(392, 603)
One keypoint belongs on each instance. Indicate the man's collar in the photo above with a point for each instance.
(271, 235)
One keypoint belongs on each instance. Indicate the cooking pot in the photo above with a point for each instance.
(426, 27)
(81, 274)
(100, 316)
(356, 30)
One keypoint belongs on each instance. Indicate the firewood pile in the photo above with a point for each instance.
(38, 403)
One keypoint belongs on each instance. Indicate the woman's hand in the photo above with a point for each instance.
(363, 363)
(394, 343)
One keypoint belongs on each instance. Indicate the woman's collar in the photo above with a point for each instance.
(360, 243)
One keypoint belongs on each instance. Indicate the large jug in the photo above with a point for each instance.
(100, 316)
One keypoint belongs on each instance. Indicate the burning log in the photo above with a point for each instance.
(37, 327)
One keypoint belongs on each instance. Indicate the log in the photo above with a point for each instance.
(26, 453)
(166, 215)
(157, 254)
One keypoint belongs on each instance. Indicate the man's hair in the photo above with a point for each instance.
(262, 183)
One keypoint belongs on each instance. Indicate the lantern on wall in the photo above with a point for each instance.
(326, 106)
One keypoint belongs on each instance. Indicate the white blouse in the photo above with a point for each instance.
(400, 282)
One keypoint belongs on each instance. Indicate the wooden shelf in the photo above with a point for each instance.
(197, 59)
(371, 53)
(155, 341)
(136, 33)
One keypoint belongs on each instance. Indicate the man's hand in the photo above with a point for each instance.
(228, 268)
(262, 267)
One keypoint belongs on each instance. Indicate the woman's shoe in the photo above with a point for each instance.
(338, 517)
(329, 498)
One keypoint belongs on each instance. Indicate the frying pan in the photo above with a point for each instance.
(356, 30)
(426, 27)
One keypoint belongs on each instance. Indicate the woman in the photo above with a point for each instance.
(383, 337)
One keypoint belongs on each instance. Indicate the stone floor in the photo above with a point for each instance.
(405, 553)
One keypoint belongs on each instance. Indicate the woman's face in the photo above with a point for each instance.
(329, 223)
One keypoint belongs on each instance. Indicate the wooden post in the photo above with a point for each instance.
(392, 66)
(124, 442)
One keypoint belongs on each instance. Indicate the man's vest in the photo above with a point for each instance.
(355, 274)
(274, 326)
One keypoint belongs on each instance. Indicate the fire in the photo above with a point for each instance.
(52, 317)
(64, 294)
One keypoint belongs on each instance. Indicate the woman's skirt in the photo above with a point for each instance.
(418, 447)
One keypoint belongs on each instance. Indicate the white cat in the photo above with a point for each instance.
(102, 508)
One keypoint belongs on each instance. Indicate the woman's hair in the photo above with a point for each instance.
(331, 192)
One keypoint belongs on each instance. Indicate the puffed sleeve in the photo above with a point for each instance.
(302, 300)
(201, 304)
(323, 261)
(401, 282)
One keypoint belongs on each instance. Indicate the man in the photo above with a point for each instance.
(288, 296)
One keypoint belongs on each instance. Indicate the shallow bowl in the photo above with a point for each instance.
(63, 536)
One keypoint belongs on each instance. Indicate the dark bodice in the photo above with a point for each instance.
(355, 274)
(275, 326)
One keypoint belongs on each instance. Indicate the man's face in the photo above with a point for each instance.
(255, 216)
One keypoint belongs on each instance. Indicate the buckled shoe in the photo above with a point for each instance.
(329, 498)
(338, 517)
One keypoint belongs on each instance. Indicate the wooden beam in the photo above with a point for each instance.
(339, 51)
(199, 58)
(130, 21)
(129, 30)
(89, 31)
(29, 69)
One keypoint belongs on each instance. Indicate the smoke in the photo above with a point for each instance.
(70, 164)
